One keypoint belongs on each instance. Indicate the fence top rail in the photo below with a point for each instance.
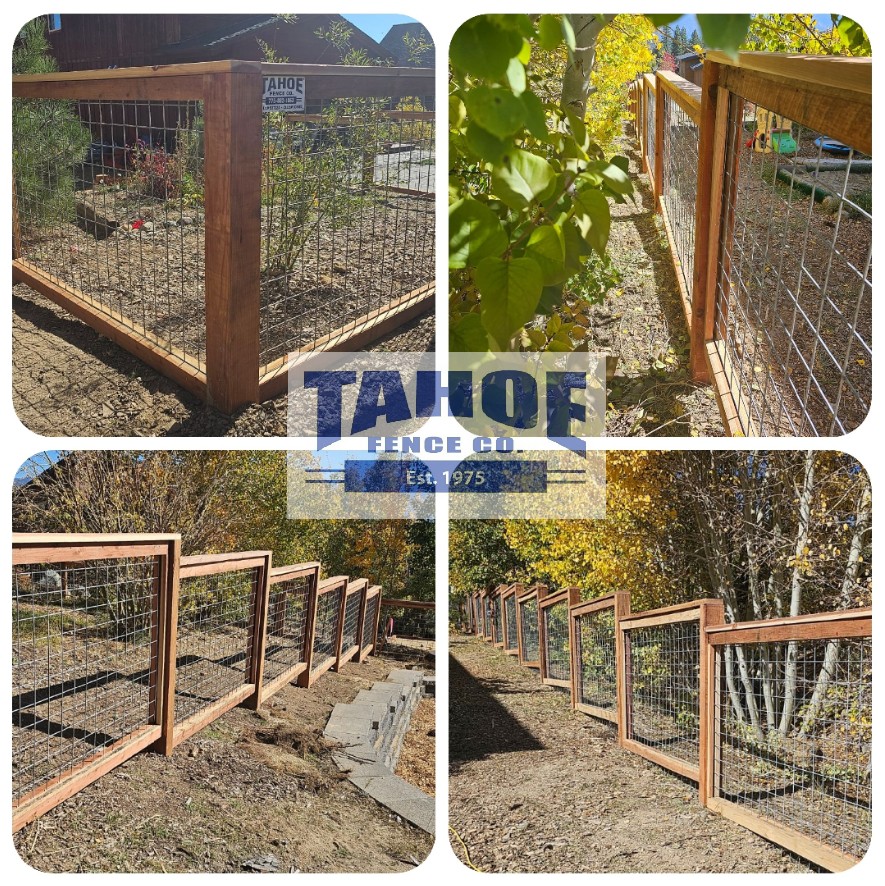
(650, 82)
(609, 601)
(357, 585)
(372, 72)
(373, 591)
(838, 72)
(842, 615)
(686, 94)
(510, 590)
(294, 570)
(408, 604)
(332, 584)
(55, 547)
(211, 564)
(688, 611)
(536, 590)
(569, 596)
(138, 73)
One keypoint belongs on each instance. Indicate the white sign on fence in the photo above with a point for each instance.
(283, 94)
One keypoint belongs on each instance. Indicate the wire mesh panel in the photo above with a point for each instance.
(370, 621)
(325, 642)
(498, 615)
(510, 626)
(350, 632)
(288, 620)
(86, 641)
(595, 655)
(487, 618)
(108, 197)
(529, 653)
(216, 632)
(556, 661)
(794, 737)
(793, 313)
(663, 689)
(679, 184)
(347, 214)
(411, 618)
(650, 104)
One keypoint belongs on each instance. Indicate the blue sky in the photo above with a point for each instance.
(690, 22)
(376, 26)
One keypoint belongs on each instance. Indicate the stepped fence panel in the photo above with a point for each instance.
(527, 610)
(553, 637)
(326, 639)
(371, 619)
(510, 632)
(352, 622)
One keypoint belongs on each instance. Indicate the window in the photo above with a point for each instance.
(54, 22)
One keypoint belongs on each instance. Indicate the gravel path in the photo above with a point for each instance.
(537, 787)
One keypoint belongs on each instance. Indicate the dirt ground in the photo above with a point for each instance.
(248, 787)
(537, 787)
(418, 758)
(70, 381)
(642, 323)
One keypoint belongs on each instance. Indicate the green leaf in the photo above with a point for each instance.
(457, 112)
(496, 109)
(551, 299)
(725, 32)
(662, 18)
(510, 291)
(535, 118)
(516, 76)
(593, 217)
(614, 177)
(568, 33)
(483, 48)
(485, 145)
(547, 247)
(574, 248)
(468, 335)
(525, 53)
(851, 34)
(621, 163)
(474, 233)
(522, 177)
(549, 32)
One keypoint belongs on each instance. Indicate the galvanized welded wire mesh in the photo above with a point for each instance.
(288, 608)
(352, 608)
(325, 644)
(528, 613)
(794, 736)
(557, 641)
(650, 129)
(369, 622)
(510, 637)
(595, 652)
(84, 662)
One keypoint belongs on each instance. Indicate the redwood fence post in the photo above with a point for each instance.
(712, 613)
(659, 145)
(167, 642)
(310, 631)
(232, 124)
(258, 644)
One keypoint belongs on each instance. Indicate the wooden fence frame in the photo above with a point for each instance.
(36, 548)
(823, 626)
(356, 586)
(231, 94)
(326, 586)
(511, 591)
(827, 93)
(278, 575)
(706, 612)
(392, 603)
(249, 693)
(537, 592)
(366, 649)
(568, 596)
(497, 616)
(619, 603)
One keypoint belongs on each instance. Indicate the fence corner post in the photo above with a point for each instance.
(232, 123)
(711, 613)
(710, 142)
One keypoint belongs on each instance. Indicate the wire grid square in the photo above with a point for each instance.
(793, 319)
(663, 681)
(109, 202)
(287, 611)
(797, 750)
(597, 673)
(351, 620)
(369, 622)
(680, 183)
(528, 614)
(83, 662)
(215, 631)
(557, 641)
(347, 215)
(510, 636)
(325, 643)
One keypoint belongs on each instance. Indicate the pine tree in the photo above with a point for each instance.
(47, 139)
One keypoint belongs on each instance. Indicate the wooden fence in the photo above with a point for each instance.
(771, 239)
(772, 719)
(120, 644)
(211, 238)
(527, 611)
(510, 635)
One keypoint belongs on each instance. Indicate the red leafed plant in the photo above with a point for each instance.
(156, 172)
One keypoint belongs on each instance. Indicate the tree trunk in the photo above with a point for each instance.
(576, 77)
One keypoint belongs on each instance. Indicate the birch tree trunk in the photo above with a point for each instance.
(576, 77)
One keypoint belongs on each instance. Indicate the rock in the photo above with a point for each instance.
(99, 226)
(262, 864)
(185, 220)
(147, 227)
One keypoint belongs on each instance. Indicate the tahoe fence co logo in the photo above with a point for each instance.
(334, 396)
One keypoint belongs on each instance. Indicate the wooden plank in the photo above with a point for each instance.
(622, 611)
(167, 89)
(352, 336)
(168, 645)
(223, 558)
(840, 113)
(724, 400)
(342, 608)
(175, 366)
(711, 614)
(684, 294)
(599, 713)
(676, 607)
(792, 840)
(16, 228)
(686, 94)
(680, 767)
(78, 553)
(824, 630)
(272, 687)
(221, 567)
(624, 675)
(296, 570)
(377, 622)
(632, 623)
(833, 72)
(48, 796)
(408, 604)
(232, 126)
(707, 186)
(660, 146)
(258, 645)
(837, 615)
(149, 72)
(202, 718)
(310, 629)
